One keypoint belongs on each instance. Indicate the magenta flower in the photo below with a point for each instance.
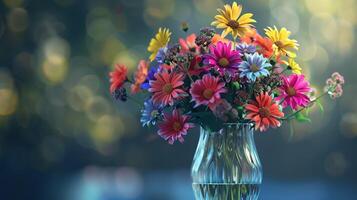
(174, 126)
(294, 91)
(223, 58)
(207, 90)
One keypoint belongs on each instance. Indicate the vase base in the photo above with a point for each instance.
(226, 191)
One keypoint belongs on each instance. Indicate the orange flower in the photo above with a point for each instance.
(249, 36)
(264, 112)
(189, 44)
(140, 75)
(265, 44)
(118, 77)
(217, 38)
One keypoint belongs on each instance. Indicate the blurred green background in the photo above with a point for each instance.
(62, 136)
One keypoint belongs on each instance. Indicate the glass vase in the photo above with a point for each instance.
(226, 165)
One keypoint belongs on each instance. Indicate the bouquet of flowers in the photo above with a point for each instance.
(209, 79)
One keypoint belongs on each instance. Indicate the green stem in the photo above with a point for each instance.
(129, 81)
(282, 101)
(188, 74)
(234, 43)
(303, 108)
(286, 69)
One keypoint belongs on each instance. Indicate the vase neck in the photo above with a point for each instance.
(238, 129)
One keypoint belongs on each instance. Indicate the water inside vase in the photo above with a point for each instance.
(226, 191)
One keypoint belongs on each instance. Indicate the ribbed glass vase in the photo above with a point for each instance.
(226, 165)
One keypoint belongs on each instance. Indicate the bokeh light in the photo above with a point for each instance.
(55, 62)
(159, 9)
(8, 95)
(207, 7)
(17, 20)
(13, 3)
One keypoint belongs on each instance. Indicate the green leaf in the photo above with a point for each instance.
(300, 117)
(307, 111)
(318, 102)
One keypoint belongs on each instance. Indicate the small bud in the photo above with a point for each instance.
(120, 94)
(334, 85)
(184, 26)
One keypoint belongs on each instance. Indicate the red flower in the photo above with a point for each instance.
(118, 77)
(207, 91)
(263, 112)
(195, 68)
(174, 127)
(165, 88)
(140, 75)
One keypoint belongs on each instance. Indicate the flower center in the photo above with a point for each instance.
(167, 89)
(207, 93)
(254, 68)
(291, 91)
(279, 44)
(154, 113)
(176, 126)
(233, 24)
(223, 62)
(264, 112)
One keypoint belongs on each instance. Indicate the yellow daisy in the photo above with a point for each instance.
(282, 44)
(160, 40)
(230, 20)
(293, 66)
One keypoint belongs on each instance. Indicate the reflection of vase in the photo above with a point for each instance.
(226, 165)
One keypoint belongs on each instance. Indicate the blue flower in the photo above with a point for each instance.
(244, 48)
(150, 113)
(254, 66)
(160, 56)
(145, 85)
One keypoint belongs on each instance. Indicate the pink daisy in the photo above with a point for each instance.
(223, 58)
(207, 91)
(294, 91)
(165, 88)
(174, 127)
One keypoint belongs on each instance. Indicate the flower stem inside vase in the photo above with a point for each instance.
(226, 164)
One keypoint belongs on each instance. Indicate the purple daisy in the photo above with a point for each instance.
(244, 48)
(223, 58)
